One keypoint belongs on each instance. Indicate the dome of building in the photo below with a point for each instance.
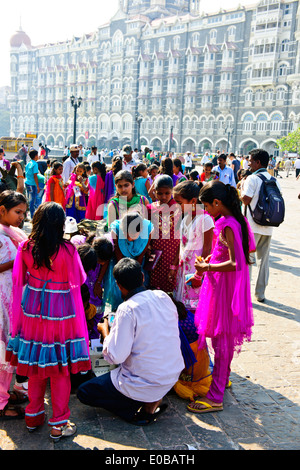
(19, 38)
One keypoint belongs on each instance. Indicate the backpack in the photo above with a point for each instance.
(270, 207)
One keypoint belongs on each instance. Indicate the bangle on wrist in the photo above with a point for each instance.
(208, 267)
(197, 277)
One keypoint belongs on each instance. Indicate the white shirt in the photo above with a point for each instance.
(92, 158)
(205, 159)
(297, 164)
(188, 160)
(144, 340)
(251, 188)
(128, 166)
(68, 167)
(245, 164)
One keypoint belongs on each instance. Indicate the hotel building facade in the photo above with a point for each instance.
(163, 74)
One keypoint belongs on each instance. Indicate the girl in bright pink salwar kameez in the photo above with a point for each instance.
(224, 313)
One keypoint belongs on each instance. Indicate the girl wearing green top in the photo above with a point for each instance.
(126, 198)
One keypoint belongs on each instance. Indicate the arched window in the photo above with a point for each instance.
(259, 95)
(196, 39)
(248, 123)
(282, 70)
(161, 44)
(213, 36)
(176, 42)
(261, 123)
(276, 122)
(269, 94)
(280, 94)
(249, 95)
(117, 42)
(284, 45)
(231, 33)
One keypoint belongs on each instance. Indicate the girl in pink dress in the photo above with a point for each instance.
(224, 311)
(49, 330)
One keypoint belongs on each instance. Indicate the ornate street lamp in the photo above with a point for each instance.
(76, 103)
(228, 131)
(139, 121)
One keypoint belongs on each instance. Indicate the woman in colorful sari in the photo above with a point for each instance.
(95, 206)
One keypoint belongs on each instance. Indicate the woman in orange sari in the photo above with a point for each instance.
(55, 186)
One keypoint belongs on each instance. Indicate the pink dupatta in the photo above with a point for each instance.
(95, 207)
(14, 233)
(225, 306)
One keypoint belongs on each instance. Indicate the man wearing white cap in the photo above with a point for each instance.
(188, 162)
(70, 163)
(128, 161)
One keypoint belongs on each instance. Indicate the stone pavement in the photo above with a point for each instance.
(261, 410)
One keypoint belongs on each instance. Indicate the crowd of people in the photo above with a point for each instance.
(151, 240)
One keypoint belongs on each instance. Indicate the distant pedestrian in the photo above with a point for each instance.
(70, 163)
(287, 167)
(31, 181)
(297, 166)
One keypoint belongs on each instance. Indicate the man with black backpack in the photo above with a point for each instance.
(264, 208)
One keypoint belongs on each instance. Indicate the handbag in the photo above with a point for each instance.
(152, 260)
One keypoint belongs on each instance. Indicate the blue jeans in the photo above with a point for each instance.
(39, 197)
(32, 196)
(101, 392)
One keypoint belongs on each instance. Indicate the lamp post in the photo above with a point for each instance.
(227, 130)
(139, 120)
(171, 139)
(76, 103)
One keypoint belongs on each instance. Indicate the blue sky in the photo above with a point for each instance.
(59, 20)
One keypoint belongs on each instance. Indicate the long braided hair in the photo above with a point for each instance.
(228, 195)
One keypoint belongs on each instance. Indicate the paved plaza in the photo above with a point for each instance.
(261, 410)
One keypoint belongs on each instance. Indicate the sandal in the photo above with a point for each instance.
(142, 418)
(206, 407)
(34, 428)
(22, 388)
(17, 398)
(67, 430)
(18, 409)
(229, 384)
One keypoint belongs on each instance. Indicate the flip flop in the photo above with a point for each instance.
(143, 419)
(207, 407)
(18, 409)
(17, 398)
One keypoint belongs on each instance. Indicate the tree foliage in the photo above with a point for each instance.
(291, 142)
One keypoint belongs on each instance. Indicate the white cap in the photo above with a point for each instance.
(71, 225)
